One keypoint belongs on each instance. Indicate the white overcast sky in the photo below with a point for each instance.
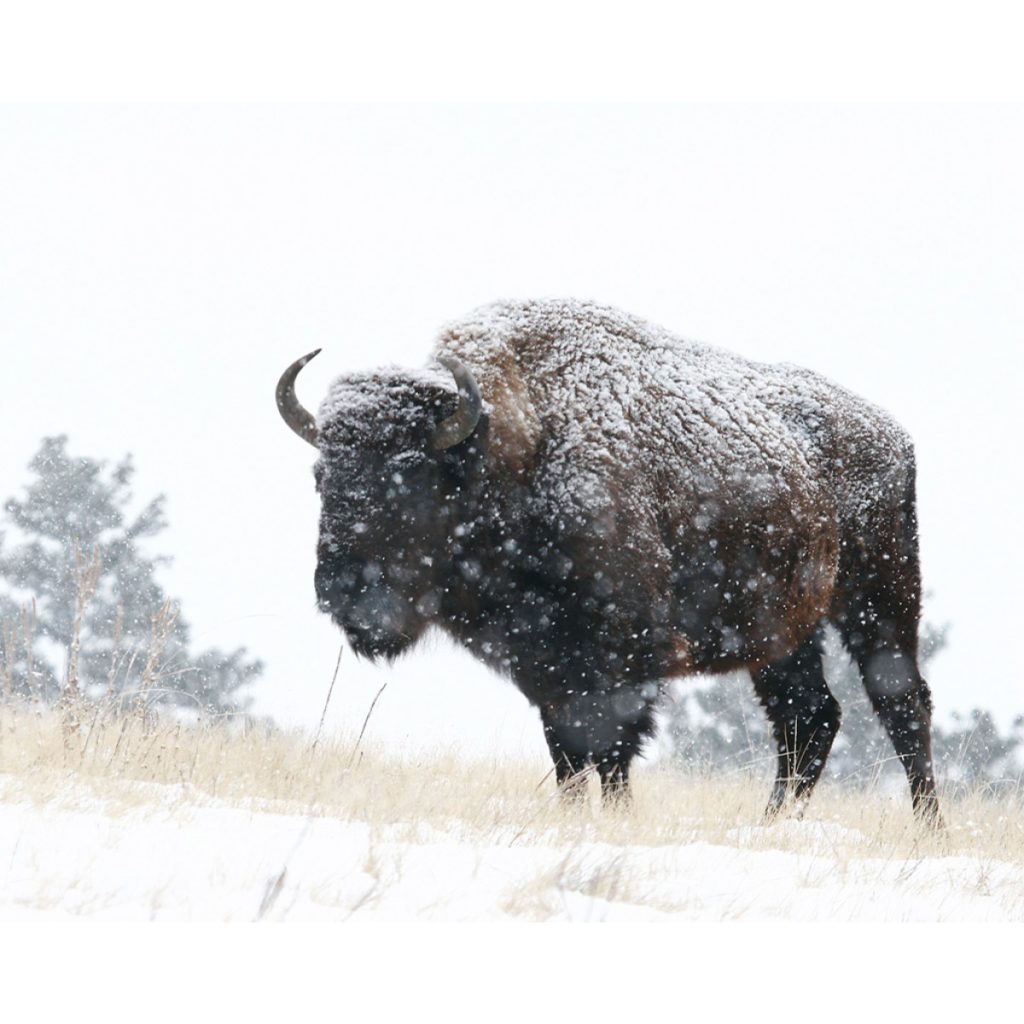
(160, 265)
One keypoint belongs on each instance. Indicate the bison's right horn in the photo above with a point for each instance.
(463, 421)
(292, 412)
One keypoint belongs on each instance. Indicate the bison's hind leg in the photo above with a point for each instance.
(804, 717)
(880, 630)
(878, 613)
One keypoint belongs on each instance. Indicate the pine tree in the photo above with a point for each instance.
(71, 550)
(975, 750)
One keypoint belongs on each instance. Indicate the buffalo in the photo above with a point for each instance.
(593, 505)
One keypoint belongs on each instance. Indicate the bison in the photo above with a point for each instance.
(592, 505)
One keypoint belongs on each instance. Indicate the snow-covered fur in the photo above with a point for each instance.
(632, 506)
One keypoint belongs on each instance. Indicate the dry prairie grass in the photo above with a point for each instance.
(489, 801)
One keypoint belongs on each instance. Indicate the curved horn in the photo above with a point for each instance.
(292, 412)
(463, 421)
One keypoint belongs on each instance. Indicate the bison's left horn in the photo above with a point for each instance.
(463, 421)
(292, 412)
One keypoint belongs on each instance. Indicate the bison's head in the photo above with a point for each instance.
(394, 449)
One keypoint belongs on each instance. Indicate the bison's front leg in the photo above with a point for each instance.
(614, 772)
(604, 730)
(567, 744)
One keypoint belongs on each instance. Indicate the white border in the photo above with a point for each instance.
(530, 50)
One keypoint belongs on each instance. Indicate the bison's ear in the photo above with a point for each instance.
(463, 466)
(464, 421)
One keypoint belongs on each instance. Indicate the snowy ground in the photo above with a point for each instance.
(171, 854)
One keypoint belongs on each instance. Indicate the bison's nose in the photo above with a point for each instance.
(376, 610)
(377, 623)
(336, 584)
(330, 592)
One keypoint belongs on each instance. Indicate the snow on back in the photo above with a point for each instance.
(606, 390)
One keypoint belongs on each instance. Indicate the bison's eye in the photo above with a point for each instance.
(404, 463)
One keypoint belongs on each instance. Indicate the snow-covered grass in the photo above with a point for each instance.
(119, 819)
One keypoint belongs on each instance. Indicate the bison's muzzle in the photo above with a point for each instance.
(377, 620)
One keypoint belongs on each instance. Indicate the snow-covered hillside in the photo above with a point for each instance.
(194, 825)
(167, 860)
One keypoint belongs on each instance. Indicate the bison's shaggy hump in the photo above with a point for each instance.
(616, 396)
